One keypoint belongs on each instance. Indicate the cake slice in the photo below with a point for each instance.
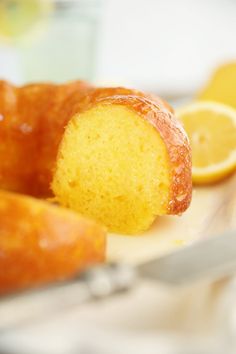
(123, 160)
(40, 243)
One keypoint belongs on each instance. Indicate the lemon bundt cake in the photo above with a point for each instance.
(40, 242)
(123, 160)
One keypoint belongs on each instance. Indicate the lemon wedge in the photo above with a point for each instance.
(221, 86)
(18, 17)
(211, 128)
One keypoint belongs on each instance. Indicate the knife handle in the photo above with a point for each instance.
(96, 283)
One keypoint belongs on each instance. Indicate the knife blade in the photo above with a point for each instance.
(211, 258)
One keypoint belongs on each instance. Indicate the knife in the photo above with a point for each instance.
(211, 258)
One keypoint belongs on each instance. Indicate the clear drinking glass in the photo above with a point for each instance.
(65, 47)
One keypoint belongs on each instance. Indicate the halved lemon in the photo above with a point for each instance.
(19, 17)
(211, 128)
(221, 87)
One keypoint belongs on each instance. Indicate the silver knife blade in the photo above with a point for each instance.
(212, 258)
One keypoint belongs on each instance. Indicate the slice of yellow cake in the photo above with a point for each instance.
(124, 160)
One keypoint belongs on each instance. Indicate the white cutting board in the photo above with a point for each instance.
(213, 210)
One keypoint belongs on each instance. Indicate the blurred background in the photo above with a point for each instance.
(165, 46)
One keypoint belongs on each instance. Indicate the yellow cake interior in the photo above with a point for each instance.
(113, 166)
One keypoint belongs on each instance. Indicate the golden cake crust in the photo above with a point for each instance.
(75, 104)
(32, 122)
(44, 243)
